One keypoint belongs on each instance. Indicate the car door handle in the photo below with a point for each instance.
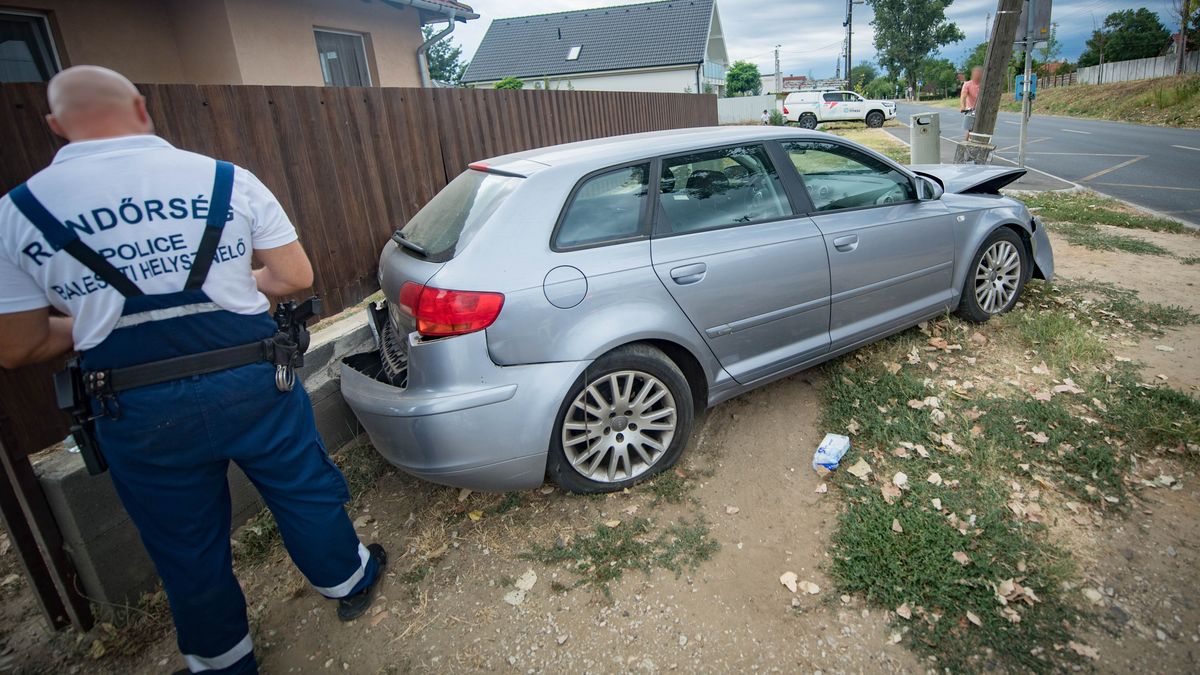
(847, 243)
(689, 274)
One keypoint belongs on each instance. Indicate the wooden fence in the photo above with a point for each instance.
(350, 165)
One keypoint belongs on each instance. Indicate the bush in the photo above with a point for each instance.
(510, 83)
(777, 119)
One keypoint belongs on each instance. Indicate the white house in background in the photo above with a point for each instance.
(672, 46)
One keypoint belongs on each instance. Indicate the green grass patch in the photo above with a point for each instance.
(603, 555)
(1190, 260)
(917, 567)
(1112, 308)
(999, 451)
(1089, 236)
(1089, 208)
(416, 575)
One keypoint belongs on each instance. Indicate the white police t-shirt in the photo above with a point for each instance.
(142, 204)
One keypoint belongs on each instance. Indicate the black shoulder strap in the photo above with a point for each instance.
(62, 238)
(218, 211)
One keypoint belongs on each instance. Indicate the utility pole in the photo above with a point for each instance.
(849, 36)
(849, 24)
(1184, 15)
(778, 73)
(995, 72)
(1026, 99)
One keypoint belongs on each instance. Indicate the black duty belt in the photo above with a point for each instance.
(101, 383)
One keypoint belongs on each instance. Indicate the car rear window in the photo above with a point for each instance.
(463, 205)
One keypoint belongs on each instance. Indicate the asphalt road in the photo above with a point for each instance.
(1154, 167)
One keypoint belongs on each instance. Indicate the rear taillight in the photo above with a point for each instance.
(785, 111)
(442, 313)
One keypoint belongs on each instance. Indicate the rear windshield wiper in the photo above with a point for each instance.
(402, 240)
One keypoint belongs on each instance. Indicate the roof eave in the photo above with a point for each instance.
(461, 13)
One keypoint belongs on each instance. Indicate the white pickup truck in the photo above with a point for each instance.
(810, 108)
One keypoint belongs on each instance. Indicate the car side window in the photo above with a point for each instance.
(839, 177)
(719, 188)
(606, 208)
(832, 98)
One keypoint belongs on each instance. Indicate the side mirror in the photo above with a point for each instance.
(928, 189)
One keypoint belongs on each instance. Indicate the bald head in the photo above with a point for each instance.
(90, 102)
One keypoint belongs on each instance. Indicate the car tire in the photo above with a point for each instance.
(874, 119)
(996, 277)
(572, 463)
(808, 121)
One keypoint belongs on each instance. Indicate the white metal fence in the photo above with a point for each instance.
(1138, 69)
(744, 109)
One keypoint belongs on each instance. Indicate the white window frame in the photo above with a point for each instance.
(44, 18)
(573, 53)
(362, 44)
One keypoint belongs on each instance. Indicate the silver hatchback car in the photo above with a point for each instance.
(567, 312)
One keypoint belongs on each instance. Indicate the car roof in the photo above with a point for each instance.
(612, 150)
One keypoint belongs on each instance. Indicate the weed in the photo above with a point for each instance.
(362, 466)
(1058, 336)
(1190, 260)
(132, 628)
(416, 575)
(606, 553)
(510, 501)
(670, 486)
(257, 539)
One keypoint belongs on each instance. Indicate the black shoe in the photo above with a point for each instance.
(353, 606)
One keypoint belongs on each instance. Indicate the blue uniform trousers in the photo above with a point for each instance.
(169, 452)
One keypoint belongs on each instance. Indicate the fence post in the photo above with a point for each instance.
(39, 543)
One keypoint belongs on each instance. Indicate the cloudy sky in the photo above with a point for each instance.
(810, 31)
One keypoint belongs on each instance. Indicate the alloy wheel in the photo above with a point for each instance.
(619, 426)
(997, 277)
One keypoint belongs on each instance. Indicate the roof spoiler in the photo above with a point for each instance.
(521, 168)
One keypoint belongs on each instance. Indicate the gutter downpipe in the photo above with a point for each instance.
(422, 59)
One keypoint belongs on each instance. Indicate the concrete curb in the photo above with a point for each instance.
(113, 566)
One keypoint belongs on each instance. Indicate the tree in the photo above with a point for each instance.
(743, 79)
(510, 83)
(1049, 52)
(861, 75)
(940, 75)
(445, 58)
(907, 32)
(882, 87)
(1127, 34)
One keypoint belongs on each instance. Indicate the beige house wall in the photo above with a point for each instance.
(276, 45)
(134, 37)
(229, 41)
(204, 41)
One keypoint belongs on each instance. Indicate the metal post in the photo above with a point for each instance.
(1026, 103)
(1181, 45)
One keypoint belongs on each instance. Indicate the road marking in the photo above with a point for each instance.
(1186, 147)
(1011, 122)
(1072, 131)
(1078, 154)
(1152, 187)
(1113, 168)
(1030, 142)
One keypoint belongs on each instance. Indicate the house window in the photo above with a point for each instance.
(343, 58)
(27, 51)
(573, 55)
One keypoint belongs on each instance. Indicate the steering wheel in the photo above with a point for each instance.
(896, 194)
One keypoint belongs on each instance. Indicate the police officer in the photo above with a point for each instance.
(146, 252)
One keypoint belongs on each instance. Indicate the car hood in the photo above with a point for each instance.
(969, 178)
